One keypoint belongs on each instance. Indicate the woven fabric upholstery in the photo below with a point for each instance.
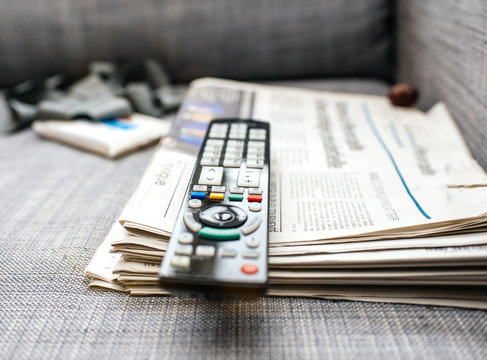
(56, 206)
(238, 39)
(443, 51)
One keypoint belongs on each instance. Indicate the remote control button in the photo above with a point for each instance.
(251, 226)
(249, 269)
(205, 250)
(209, 162)
(235, 143)
(237, 135)
(236, 190)
(256, 146)
(254, 198)
(232, 163)
(255, 164)
(217, 196)
(190, 222)
(223, 216)
(198, 195)
(250, 254)
(219, 234)
(200, 188)
(219, 127)
(211, 154)
(185, 238)
(218, 189)
(256, 207)
(214, 148)
(215, 142)
(233, 155)
(181, 262)
(194, 203)
(217, 135)
(235, 148)
(211, 175)
(248, 178)
(255, 156)
(184, 250)
(235, 197)
(227, 253)
(252, 242)
(257, 136)
(255, 191)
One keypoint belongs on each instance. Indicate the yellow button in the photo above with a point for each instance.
(217, 196)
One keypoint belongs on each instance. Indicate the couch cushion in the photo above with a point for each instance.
(443, 51)
(261, 39)
(57, 205)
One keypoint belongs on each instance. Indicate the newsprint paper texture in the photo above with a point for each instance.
(356, 184)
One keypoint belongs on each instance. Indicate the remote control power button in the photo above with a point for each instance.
(249, 269)
(194, 203)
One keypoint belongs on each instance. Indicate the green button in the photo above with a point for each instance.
(235, 197)
(219, 234)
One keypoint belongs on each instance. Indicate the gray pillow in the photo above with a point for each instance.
(240, 39)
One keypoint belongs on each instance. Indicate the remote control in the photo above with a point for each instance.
(219, 244)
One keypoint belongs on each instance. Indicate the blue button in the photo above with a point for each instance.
(198, 195)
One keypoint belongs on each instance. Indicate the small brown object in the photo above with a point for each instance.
(403, 94)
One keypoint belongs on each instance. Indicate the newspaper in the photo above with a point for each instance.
(360, 192)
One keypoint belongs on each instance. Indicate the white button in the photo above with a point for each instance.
(191, 223)
(211, 154)
(232, 163)
(215, 142)
(236, 143)
(180, 261)
(184, 250)
(205, 250)
(257, 136)
(250, 254)
(209, 161)
(252, 242)
(248, 178)
(211, 175)
(217, 135)
(227, 253)
(209, 148)
(236, 190)
(251, 226)
(255, 191)
(255, 156)
(185, 238)
(238, 149)
(194, 203)
(233, 155)
(255, 164)
(239, 135)
(255, 207)
(218, 189)
(200, 188)
(256, 145)
(219, 127)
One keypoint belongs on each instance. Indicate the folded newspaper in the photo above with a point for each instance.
(368, 201)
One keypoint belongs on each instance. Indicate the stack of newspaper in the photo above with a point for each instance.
(368, 201)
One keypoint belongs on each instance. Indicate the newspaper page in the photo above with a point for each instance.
(343, 166)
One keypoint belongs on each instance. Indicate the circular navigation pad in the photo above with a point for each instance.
(223, 216)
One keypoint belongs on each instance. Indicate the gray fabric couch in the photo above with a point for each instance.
(57, 203)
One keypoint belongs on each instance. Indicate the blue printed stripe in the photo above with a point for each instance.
(386, 149)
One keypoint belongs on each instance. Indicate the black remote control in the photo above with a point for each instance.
(219, 244)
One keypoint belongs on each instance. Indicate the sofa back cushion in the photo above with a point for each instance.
(443, 51)
(239, 39)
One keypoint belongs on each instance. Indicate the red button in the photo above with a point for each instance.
(249, 269)
(254, 198)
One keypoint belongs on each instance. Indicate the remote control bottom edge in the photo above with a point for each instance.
(212, 292)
